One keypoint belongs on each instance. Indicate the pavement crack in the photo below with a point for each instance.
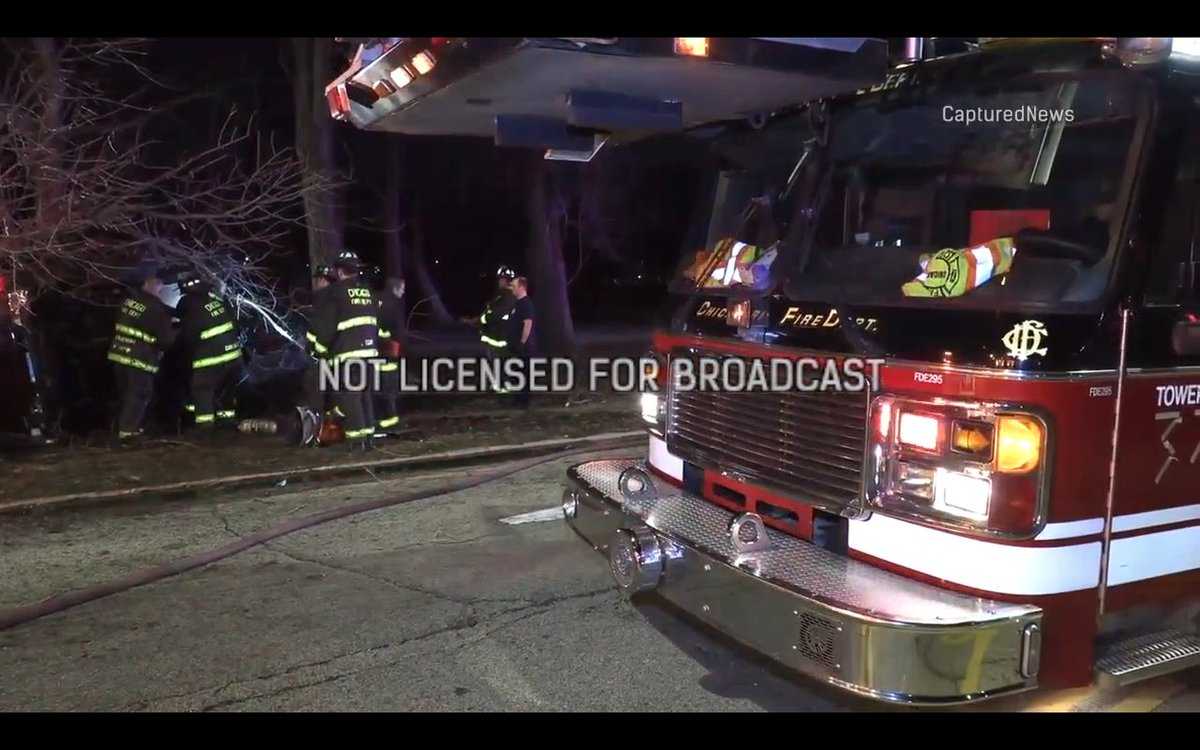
(216, 511)
(445, 542)
(371, 576)
(465, 622)
(271, 693)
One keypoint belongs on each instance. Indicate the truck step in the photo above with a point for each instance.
(1145, 657)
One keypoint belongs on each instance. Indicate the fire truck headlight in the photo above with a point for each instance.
(962, 494)
(650, 407)
(1019, 441)
(920, 431)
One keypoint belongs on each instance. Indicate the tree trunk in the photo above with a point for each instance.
(393, 208)
(315, 143)
(429, 298)
(547, 219)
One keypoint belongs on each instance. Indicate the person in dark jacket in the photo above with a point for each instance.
(312, 399)
(521, 335)
(143, 332)
(346, 323)
(391, 331)
(210, 335)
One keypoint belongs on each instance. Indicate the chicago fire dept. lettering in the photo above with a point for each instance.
(1173, 420)
(1025, 340)
(797, 318)
(709, 311)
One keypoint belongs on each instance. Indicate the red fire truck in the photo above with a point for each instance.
(1012, 502)
(1015, 501)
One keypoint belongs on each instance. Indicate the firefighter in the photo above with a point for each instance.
(143, 332)
(210, 335)
(493, 321)
(346, 324)
(391, 329)
(312, 398)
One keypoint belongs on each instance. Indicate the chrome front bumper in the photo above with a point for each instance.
(832, 618)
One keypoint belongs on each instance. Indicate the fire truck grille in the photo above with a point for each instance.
(808, 445)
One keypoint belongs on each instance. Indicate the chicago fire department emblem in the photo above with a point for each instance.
(1025, 340)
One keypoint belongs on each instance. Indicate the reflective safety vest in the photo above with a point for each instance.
(211, 330)
(390, 320)
(494, 322)
(142, 332)
(315, 347)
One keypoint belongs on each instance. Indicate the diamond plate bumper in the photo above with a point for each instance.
(829, 617)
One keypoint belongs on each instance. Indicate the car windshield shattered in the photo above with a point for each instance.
(1004, 195)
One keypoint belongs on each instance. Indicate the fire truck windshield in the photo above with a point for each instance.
(1001, 195)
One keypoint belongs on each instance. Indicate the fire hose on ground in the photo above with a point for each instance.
(69, 600)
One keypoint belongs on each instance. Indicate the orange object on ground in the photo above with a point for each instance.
(331, 432)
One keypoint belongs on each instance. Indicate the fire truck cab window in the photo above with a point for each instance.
(1174, 257)
(929, 169)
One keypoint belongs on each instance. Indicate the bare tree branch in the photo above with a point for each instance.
(86, 193)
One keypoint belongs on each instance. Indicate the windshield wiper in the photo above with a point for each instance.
(863, 343)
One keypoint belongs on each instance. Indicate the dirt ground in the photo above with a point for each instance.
(463, 423)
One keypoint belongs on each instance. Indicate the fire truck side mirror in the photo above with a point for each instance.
(1185, 339)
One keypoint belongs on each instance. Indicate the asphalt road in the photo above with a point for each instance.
(430, 606)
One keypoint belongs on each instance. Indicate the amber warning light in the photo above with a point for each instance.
(696, 46)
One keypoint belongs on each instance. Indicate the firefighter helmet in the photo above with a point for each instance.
(505, 272)
(347, 259)
(189, 281)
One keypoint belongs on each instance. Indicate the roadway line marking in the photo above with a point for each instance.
(1151, 696)
(537, 516)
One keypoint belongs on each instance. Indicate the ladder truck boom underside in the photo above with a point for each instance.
(570, 96)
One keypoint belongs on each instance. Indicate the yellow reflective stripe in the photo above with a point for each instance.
(357, 354)
(126, 433)
(219, 359)
(205, 418)
(216, 330)
(483, 319)
(389, 422)
(493, 342)
(352, 434)
(317, 346)
(361, 320)
(384, 333)
(504, 317)
(190, 407)
(226, 414)
(121, 359)
(389, 367)
(136, 333)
